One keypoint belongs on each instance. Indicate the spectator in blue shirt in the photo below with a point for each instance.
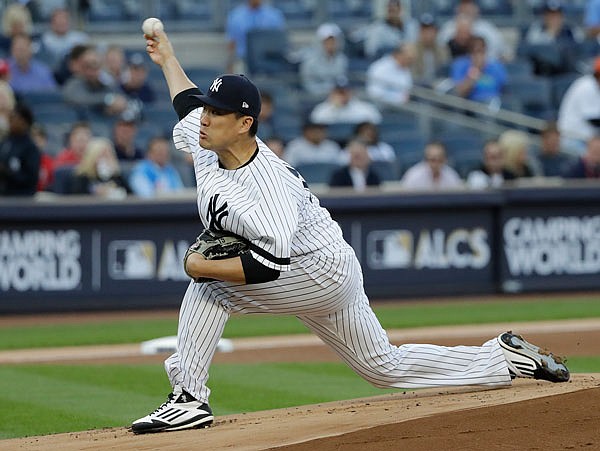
(591, 18)
(27, 73)
(476, 77)
(155, 175)
(243, 18)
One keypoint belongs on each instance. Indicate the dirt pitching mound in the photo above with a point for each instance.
(528, 415)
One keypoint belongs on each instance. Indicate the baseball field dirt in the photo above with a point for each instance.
(530, 415)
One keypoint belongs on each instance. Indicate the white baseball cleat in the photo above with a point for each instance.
(527, 360)
(180, 411)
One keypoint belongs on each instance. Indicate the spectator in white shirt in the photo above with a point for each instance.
(491, 173)
(324, 63)
(480, 27)
(58, 40)
(393, 30)
(368, 133)
(341, 106)
(432, 174)
(313, 147)
(579, 112)
(389, 79)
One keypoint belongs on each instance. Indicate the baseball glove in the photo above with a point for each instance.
(215, 246)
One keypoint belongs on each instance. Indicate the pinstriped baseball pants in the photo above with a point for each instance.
(326, 294)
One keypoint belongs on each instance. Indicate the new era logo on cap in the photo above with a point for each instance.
(233, 93)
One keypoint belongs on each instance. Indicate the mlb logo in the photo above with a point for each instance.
(132, 260)
(389, 249)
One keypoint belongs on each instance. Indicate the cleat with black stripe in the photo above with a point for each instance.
(180, 411)
(527, 360)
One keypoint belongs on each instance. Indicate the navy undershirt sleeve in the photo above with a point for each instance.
(183, 103)
(256, 272)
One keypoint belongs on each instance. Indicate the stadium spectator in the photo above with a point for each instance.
(587, 165)
(430, 56)
(276, 144)
(99, 172)
(77, 140)
(433, 173)
(58, 40)
(87, 92)
(477, 77)
(312, 147)
(552, 160)
(480, 27)
(591, 18)
(124, 134)
(19, 156)
(4, 70)
(113, 66)
(515, 145)
(458, 45)
(491, 173)
(389, 79)
(389, 32)
(28, 74)
(358, 173)
(368, 133)
(7, 105)
(250, 15)
(134, 82)
(16, 19)
(266, 119)
(579, 111)
(46, 174)
(325, 62)
(342, 106)
(558, 38)
(72, 64)
(155, 175)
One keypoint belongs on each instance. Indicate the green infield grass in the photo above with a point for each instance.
(46, 399)
(127, 330)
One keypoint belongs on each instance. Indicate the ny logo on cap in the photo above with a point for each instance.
(245, 105)
(216, 84)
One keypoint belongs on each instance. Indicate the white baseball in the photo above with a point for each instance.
(152, 24)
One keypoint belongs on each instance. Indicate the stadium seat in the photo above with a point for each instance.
(386, 171)
(34, 99)
(406, 142)
(54, 113)
(495, 7)
(186, 172)
(317, 172)
(201, 76)
(518, 68)
(340, 132)
(459, 142)
(406, 159)
(107, 11)
(349, 12)
(266, 53)
(560, 84)
(298, 13)
(535, 96)
(465, 162)
(62, 179)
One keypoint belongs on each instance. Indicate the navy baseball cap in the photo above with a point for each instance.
(235, 93)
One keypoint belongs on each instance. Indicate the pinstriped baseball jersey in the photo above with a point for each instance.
(265, 201)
